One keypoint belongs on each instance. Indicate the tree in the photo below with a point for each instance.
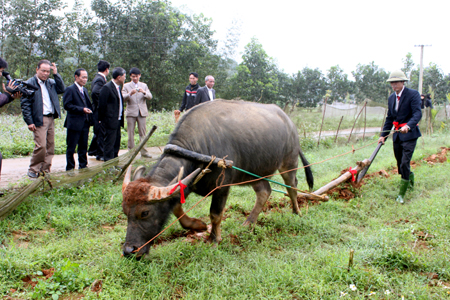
(338, 83)
(408, 65)
(433, 80)
(33, 33)
(256, 77)
(158, 39)
(315, 87)
(370, 82)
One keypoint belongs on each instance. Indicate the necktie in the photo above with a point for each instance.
(396, 104)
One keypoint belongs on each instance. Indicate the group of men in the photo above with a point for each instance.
(194, 94)
(106, 113)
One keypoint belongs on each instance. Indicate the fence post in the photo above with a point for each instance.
(335, 138)
(323, 117)
(354, 123)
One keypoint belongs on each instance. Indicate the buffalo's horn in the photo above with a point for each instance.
(158, 194)
(138, 173)
(126, 179)
(180, 174)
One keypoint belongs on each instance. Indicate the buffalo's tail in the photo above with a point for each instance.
(308, 172)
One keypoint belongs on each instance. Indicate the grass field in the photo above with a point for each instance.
(74, 235)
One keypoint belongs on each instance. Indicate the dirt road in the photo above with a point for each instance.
(15, 169)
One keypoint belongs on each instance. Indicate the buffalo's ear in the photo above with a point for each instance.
(138, 173)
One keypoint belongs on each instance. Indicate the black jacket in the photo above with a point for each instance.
(203, 95)
(5, 99)
(409, 112)
(32, 107)
(74, 105)
(189, 98)
(108, 106)
(96, 85)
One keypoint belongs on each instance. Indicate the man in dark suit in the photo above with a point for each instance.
(111, 113)
(404, 114)
(206, 93)
(96, 147)
(79, 109)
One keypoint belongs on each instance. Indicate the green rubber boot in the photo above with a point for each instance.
(411, 180)
(403, 187)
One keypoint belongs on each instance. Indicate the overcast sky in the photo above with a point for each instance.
(321, 34)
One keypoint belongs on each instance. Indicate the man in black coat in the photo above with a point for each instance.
(404, 113)
(96, 146)
(39, 112)
(111, 112)
(206, 93)
(79, 118)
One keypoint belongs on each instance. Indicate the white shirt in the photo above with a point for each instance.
(120, 99)
(210, 94)
(102, 75)
(47, 103)
(79, 88)
(397, 97)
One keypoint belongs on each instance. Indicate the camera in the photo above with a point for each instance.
(19, 86)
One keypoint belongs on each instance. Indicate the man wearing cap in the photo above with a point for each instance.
(135, 94)
(404, 113)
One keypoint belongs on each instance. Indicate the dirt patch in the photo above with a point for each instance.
(96, 286)
(421, 242)
(275, 205)
(190, 236)
(33, 280)
(348, 189)
(439, 157)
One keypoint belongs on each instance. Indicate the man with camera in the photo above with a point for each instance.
(39, 111)
(134, 94)
(9, 95)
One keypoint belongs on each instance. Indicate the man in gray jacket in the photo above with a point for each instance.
(135, 94)
(39, 112)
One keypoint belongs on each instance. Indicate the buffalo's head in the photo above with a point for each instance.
(147, 207)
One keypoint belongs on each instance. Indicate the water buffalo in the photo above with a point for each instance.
(259, 138)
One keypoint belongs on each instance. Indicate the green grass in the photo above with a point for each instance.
(79, 232)
(16, 140)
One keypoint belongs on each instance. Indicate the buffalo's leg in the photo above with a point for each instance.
(219, 199)
(187, 222)
(262, 189)
(291, 180)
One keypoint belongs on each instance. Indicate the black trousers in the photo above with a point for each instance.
(80, 138)
(96, 146)
(111, 143)
(403, 152)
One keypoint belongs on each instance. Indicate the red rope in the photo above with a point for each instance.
(353, 172)
(182, 187)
